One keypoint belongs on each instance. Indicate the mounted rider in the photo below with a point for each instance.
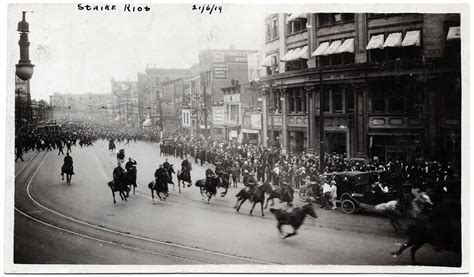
(67, 166)
(250, 182)
(119, 176)
(186, 165)
(131, 166)
(166, 164)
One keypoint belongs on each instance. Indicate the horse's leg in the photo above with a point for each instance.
(268, 200)
(113, 195)
(125, 196)
(282, 235)
(152, 195)
(253, 206)
(413, 251)
(291, 234)
(261, 208)
(243, 200)
(237, 203)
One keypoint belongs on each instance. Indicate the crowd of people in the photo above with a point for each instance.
(237, 160)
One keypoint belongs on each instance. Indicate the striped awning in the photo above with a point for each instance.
(302, 54)
(267, 62)
(288, 55)
(295, 16)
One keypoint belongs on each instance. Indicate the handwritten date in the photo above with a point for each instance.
(207, 8)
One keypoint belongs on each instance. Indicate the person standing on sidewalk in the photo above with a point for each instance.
(333, 194)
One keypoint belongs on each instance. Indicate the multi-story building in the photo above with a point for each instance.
(85, 106)
(217, 68)
(389, 85)
(125, 102)
(171, 102)
(149, 87)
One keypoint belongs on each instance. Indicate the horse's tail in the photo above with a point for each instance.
(198, 183)
(111, 184)
(150, 185)
(391, 205)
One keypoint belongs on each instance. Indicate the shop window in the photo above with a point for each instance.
(337, 101)
(376, 55)
(349, 98)
(299, 102)
(296, 65)
(326, 101)
(348, 58)
(324, 61)
(393, 53)
(377, 101)
(291, 103)
(336, 59)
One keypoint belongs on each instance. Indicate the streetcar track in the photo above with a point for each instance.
(27, 163)
(116, 232)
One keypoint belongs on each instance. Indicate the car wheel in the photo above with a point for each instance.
(348, 206)
(303, 195)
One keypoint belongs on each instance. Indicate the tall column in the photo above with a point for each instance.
(284, 124)
(264, 138)
(311, 128)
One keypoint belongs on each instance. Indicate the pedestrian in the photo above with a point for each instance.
(19, 153)
(326, 195)
(60, 147)
(333, 194)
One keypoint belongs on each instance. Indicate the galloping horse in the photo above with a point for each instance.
(185, 177)
(209, 189)
(160, 186)
(131, 180)
(68, 170)
(295, 217)
(121, 188)
(284, 193)
(255, 195)
(423, 222)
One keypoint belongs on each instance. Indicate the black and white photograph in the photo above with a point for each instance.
(236, 138)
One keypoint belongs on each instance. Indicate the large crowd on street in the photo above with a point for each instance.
(236, 159)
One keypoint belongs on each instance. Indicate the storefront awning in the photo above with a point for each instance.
(454, 33)
(295, 16)
(302, 54)
(287, 55)
(376, 42)
(321, 49)
(347, 46)
(147, 123)
(412, 38)
(393, 40)
(332, 49)
(267, 62)
(292, 57)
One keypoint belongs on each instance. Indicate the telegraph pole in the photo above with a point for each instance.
(321, 123)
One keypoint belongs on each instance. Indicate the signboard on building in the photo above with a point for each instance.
(218, 116)
(186, 118)
(254, 66)
(256, 120)
(220, 59)
(232, 98)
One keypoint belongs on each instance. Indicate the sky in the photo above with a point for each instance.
(78, 51)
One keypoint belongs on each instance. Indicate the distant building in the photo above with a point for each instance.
(148, 87)
(217, 68)
(173, 93)
(86, 106)
(125, 101)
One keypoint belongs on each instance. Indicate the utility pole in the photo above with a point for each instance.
(321, 123)
(205, 102)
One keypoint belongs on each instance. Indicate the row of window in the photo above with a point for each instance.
(340, 100)
(271, 32)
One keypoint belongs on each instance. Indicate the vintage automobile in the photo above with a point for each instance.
(364, 190)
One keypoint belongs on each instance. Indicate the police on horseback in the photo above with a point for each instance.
(119, 176)
(250, 182)
(131, 167)
(185, 165)
(67, 166)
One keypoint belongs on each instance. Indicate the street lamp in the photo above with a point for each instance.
(24, 68)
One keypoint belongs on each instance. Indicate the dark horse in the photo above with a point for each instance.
(121, 155)
(283, 192)
(160, 186)
(131, 180)
(69, 171)
(185, 177)
(255, 195)
(423, 222)
(209, 189)
(111, 146)
(121, 188)
(295, 217)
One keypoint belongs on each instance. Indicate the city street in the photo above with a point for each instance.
(79, 223)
